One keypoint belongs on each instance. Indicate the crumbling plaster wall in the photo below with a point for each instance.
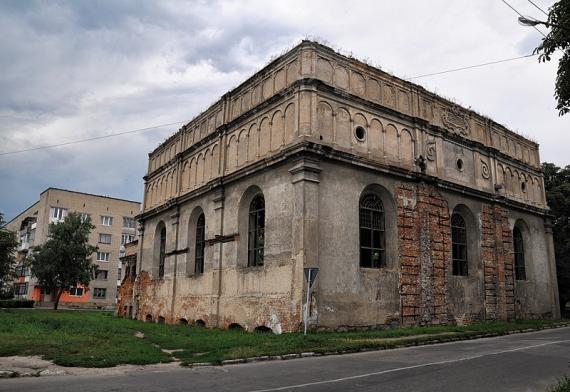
(251, 296)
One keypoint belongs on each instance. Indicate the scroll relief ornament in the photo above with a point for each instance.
(431, 150)
(455, 120)
(484, 169)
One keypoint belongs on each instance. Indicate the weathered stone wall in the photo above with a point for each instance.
(424, 245)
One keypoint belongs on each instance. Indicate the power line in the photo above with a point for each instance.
(180, 122)
(522, 16)
(540, 9)
(90, 138)
(472, 66)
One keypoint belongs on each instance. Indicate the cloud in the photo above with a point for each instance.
(75, 69)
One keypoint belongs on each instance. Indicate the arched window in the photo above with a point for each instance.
(162, 253)
(256, 231)
(518, 244)
(200, 242)
(459, 245)
(372, 233)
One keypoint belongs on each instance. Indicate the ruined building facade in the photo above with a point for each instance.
(416, 211)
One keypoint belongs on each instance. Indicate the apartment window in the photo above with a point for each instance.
(21, 289)
(126, 238)
(83, 216)
(372, 233)
(459, 245)
(106, 220)
(103, 256)
(99, 292)
(104, 238)
(199, 253)
(58, 213)
(256, 236)
(128, 222)
(22, 270)
(76, 291)
(102, 275)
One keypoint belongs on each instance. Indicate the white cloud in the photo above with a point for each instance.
(79, 69)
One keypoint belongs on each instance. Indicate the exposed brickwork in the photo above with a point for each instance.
(497, 256)
(424, 250)
(125, 297)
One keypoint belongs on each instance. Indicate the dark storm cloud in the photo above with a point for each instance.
(75, 69)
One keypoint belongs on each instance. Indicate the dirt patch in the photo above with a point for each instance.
(35, 366)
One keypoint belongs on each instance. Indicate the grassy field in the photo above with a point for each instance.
(96, 339)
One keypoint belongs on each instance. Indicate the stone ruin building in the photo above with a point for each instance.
(417, 211)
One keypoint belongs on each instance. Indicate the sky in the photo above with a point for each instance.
(71, 70)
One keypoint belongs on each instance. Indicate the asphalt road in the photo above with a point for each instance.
(521, 362)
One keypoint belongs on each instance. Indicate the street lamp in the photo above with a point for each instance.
(523, 20)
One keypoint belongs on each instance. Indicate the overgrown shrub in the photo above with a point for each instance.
(17, 303)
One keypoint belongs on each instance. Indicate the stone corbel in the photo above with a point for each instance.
(305, 170)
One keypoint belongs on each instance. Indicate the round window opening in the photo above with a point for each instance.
(360, 133)
(523, 186)
(459, 164)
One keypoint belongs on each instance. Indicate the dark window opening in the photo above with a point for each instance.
(148, 318)
(161, 320)
(200, 242)
(236, 327)
(200, 323)
(262, 329)
(459, 164)
(459, 245)
(372, 232)
(256, 234)
(360, 133)
(162, 253)
(518, 244)
(183, 321)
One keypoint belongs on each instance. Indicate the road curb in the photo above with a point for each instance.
(389, 346)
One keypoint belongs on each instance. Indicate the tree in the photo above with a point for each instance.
(63, 261)
(558, 39)
(557, 185)
(8, 244)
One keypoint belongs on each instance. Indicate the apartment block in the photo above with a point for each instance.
(114, 227)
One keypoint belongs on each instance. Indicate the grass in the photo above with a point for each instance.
(562, 386)
(96, 339)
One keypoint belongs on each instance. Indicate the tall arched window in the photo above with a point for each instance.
(459, 245)
(372, 233)
(256, 231)
(200, 242)
(518, 244)
(162, 253)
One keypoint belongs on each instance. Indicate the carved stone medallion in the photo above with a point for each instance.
(455, 120)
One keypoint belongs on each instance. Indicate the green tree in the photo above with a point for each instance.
(8, 244)
(557, 185)
(64, 260)
(558, 39)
